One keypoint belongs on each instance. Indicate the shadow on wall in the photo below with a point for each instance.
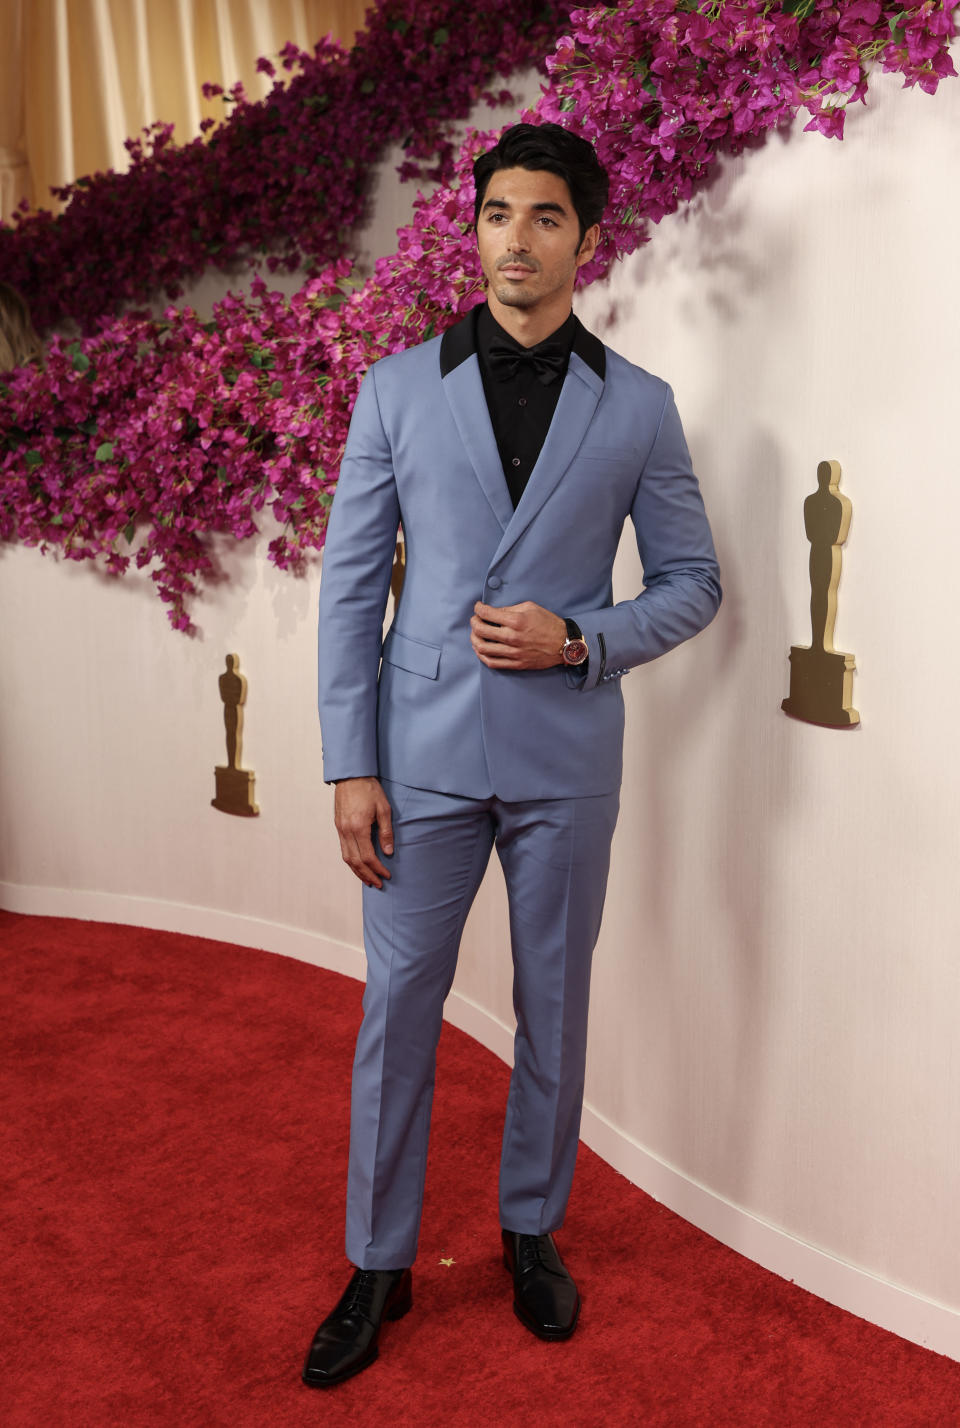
(706, 242)
(704, 894)
(753, 795)
(710, 838)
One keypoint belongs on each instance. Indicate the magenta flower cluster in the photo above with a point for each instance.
(283, 179)
(664, 87)
(146, 439)
(155, 434)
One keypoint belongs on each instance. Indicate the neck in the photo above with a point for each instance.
(530, 325)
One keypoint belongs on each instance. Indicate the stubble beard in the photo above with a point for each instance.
(515, 297)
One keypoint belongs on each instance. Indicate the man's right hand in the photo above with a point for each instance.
(359, 804)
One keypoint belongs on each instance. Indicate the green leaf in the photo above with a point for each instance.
(368, 86)
(33, 458)
(104, 451)
(89, 427)
(276, 388)
(56, 520)
(567, 104)
(129, 531)
(800, 8)
(81, 362)
(325, 499)
(428, 331)
(441, 36)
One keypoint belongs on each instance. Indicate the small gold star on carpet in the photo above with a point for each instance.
(448, 1262)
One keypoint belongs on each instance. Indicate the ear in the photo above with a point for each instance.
(589, 245)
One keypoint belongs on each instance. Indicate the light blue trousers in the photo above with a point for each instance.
(555, 855)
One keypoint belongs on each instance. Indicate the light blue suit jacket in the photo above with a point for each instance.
(419, 707)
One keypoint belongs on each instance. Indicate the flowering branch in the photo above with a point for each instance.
(170, 431)
(283, 180)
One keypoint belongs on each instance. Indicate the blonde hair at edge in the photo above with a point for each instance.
(19, 342)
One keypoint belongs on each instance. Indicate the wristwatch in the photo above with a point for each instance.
(575, 648)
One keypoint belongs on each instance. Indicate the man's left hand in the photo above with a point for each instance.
(522, 636)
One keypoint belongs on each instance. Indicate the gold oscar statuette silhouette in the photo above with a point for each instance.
(821, 678)
(234, 784)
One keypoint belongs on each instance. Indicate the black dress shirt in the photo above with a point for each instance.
(521, 406)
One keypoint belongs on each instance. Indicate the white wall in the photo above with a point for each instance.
(776, 991)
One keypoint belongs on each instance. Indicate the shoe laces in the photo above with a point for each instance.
(360, 1294)
(531, 1251)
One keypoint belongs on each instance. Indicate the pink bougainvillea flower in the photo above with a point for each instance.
(281, 181)
(146, 438)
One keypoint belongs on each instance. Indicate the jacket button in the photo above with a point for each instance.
(494, 582)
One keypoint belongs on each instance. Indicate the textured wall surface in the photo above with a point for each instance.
(776, 987)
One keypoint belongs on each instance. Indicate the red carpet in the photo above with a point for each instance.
(174, 1155)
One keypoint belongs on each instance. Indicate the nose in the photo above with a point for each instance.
(517, 240)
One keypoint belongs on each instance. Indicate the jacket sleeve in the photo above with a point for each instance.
(354, 586)
(681, 576)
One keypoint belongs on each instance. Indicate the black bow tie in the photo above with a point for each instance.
(548, 360)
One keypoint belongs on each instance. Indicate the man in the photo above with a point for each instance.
(513, 449)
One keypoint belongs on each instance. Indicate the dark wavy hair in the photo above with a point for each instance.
(558, 151)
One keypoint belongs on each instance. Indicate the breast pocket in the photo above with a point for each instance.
(416, 656)
(612, 456)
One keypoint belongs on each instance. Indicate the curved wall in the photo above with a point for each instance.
(777, 986)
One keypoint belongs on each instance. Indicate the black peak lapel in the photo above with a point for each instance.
(591, 350)
(458, 343)
(463, 389)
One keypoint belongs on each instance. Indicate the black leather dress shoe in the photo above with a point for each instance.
(545, 1298)
(346, 1341)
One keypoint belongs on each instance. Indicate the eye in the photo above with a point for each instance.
(546, 222)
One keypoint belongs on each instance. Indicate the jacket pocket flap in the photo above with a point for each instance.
(414, 655)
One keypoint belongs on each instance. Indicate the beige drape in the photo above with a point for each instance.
(78, 76)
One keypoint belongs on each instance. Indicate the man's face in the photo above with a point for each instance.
(528, 235)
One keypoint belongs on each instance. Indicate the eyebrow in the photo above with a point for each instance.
(545, 207)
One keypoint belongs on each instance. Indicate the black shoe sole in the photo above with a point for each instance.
(332, 1381)
(551, 1336)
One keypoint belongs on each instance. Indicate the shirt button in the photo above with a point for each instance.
(516, 461)
(522, 402)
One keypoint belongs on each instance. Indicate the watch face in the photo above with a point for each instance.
(575, 651)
